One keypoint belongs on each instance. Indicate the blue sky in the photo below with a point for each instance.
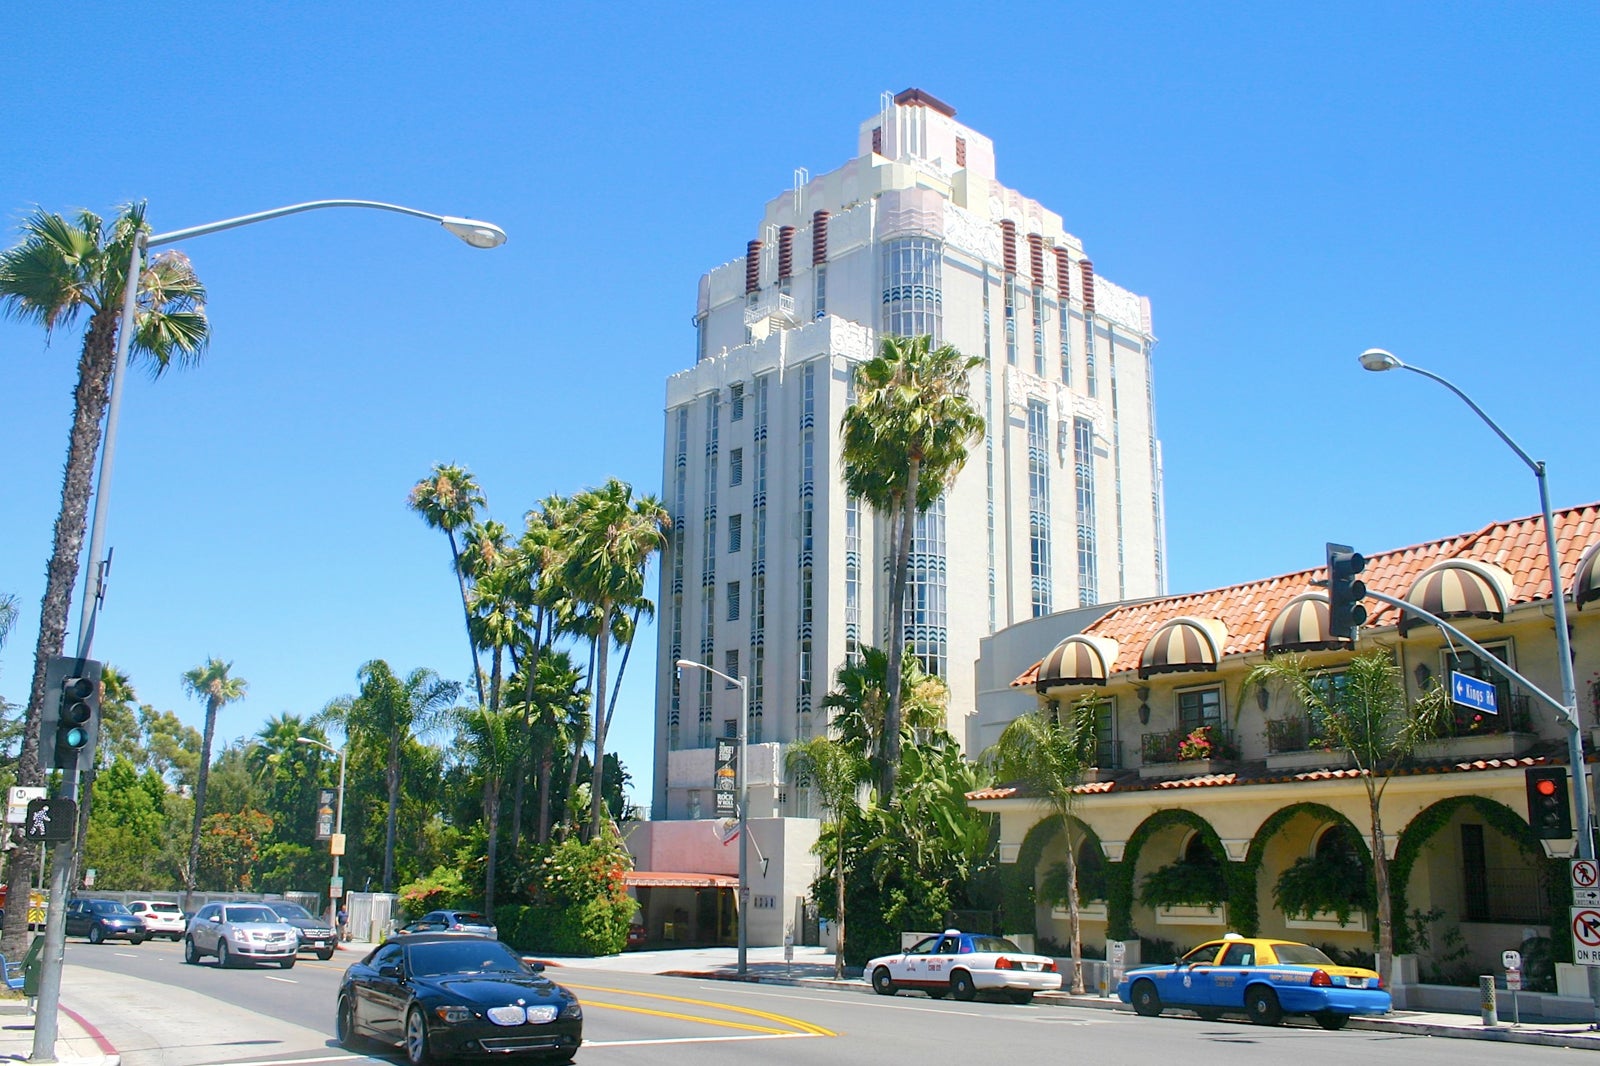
(1290, 184)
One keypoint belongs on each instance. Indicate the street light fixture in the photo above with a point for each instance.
(338, 832)
(744, 804)
(1377, 359)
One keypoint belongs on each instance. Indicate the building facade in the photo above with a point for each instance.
(772, 572)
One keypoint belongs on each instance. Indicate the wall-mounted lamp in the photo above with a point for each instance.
(1423, 673)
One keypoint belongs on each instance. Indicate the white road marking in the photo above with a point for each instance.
(296, 1062)
(125, 955)
(285, 980)
(669, 1040)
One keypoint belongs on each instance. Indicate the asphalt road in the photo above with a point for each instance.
(160, 1012)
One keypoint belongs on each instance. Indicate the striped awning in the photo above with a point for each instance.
(668, 879)
(1302, 625)
(1184, 644)
(1586, 582)
(1460, 588)
(1078, 660)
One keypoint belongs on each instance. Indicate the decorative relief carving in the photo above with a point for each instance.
(1112, 301)
(968, 232)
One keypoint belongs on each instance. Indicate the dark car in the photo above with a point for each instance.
(316, 935)
(454, 995)
(104, 919)
(462, 922)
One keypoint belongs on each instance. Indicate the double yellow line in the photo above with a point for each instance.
(792, 1026)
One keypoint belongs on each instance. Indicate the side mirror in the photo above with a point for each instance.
(533, 964)
(391, 971)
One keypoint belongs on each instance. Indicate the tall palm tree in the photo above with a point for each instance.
(859, 699)
(209, 682)
(64, 268)
(1047, 750)
(486, 740)
(837, 773)
(904, 441)
(616, 535)
(448, 499)
(388, 712)
(560, 718)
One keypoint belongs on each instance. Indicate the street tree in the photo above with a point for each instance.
(448, 499)
(211, 683)
(905, 439)
(837, 773)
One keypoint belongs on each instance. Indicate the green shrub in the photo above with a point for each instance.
(1185, 884)
(580, 900)
(440, 890)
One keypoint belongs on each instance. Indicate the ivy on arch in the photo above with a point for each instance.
(1019, 895)
(1120, 875)
(1248, 914)
(1503, 820)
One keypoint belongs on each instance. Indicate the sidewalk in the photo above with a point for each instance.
(78, 1042)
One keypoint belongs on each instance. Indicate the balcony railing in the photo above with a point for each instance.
(1189, 743)
(1514, 717)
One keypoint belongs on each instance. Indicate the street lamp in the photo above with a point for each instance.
(1376, 359)
(744, 803)
(338, 832)
(474, 232)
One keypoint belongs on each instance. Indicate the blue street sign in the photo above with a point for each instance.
(1471, 692)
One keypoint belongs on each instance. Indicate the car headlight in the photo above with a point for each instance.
(453, 1014)
(239, 934)
(572, 1010)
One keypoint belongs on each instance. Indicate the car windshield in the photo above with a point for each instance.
(108, 906)
(463, 956)
(289, 910)
(1301, 955)
(248, 915)
(993, 943)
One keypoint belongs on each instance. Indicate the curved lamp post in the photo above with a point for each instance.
(476, 233)
(338, 831)
(744, 803)
(1376, 359)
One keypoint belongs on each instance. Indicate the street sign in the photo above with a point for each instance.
(726, 779)
(1471, 692)
(88, 877)
(1514, 980)
(335, 887)
(1585, 873)
(1586, 936)
(17, 798)
(1511, 960)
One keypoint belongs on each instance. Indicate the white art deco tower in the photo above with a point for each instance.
(772, 571)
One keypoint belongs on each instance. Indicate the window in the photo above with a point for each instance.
(1039, 505)
(736, 466)
(735, 532)
(1468, 721)
(730, 729)
(736, 400)
(733, 602)
(913, 287)
(1198, 707)
(730, 665)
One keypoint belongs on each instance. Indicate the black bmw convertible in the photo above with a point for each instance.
(447, 996)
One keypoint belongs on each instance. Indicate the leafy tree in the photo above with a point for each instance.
(859, 701)
(288, 774)
(1047, 751)
(837, 772)
(63, 269)
(1363, 710)
(168, 747)
(231, 849)
(129, 813)
(904, 441)
(447, 499)
(209, 682)
(615, 536)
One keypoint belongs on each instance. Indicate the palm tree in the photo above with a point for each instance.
(209, 682)
(1047, 751)
(388, 712)
(63, 268)
(447, 499)
(1363, 710)
(616, 535)
(487, 742)
(859, 701)
(904, 441)
(837, 773)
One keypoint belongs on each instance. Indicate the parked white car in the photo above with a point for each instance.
(962, 965)
(240, 932)
(160, 917)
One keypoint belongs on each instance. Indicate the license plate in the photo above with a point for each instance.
(1030, 966)
(1355, 982)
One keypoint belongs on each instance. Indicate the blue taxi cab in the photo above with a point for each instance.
(1261, 977)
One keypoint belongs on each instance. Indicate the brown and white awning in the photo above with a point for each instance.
(1586, 582)
(1078, 660)
(1184, 644)
(1460, 588)
(1302, 625)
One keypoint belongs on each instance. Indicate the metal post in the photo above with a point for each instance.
(55, 936)
(338, 830)
(744, 825)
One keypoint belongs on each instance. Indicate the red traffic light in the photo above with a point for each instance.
(1546, 787)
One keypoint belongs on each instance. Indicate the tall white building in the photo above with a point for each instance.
(772, 571)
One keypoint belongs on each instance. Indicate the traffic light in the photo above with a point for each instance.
(1345, 591)
(1549, 812)
(71, 716)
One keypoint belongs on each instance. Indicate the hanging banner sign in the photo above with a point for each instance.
(324, 814)
(726, 777)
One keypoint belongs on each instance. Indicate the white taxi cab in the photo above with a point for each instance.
(962, 965)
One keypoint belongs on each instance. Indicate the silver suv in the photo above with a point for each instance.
(240, 932)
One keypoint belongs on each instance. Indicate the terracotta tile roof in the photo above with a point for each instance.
(1247, 610)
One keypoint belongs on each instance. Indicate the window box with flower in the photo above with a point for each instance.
(1476, 734)
(1186, 750)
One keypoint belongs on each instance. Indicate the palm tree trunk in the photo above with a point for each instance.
(622, 668)
(212, 707)
(83, 441)
(546, 770)
(491, 815)
(392, 779)
(838, 888)
(466, 611)
(597, 799)
(1075, 918)
(897, 630)
(1380, 871)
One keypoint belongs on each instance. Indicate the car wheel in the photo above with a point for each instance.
(417, 1053)
(961, 986)
(344, 1025)
(223, 961)
(191, 954)
(1208, 1014)
(287, 964)
(1262, 1003)
(97, 935)
(1022, 998)
(882, 983)
(1329, 1020)
(325, 955)
(1146, 1000)
(176, 937)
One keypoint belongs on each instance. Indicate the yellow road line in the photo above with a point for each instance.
(690, 1018)
(803, 1026)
